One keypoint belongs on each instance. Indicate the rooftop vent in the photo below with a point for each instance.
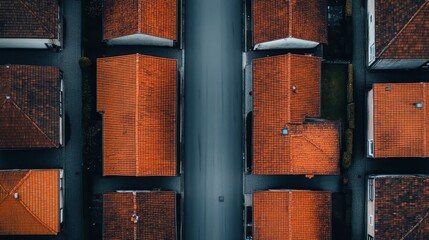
(134, 218)
(285, 131)
(16, 195)
(419, 105)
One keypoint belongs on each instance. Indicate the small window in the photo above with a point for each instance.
(371, 220)
(372, 52)
(371, 189)
(371, 148)
(370, 19)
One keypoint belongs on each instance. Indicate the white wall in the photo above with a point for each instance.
(371, 207)
(27, 43)
(398, 63)
(371, 31)
(141, 39)
(286, 43)
(370, 118)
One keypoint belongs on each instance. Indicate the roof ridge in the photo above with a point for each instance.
(424, 121)
(20, 182)
(31, 120)
(35, 16)
(137, 115)
(415, 226)
(289, 204)
(404, 28)
(25, 206)
(4, 190)
(38, 219)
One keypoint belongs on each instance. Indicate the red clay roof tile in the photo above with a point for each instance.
(288, 214)
(286, 91)
(139, 215)
(29, 111)
(401, 207)
(152, 17)
(29, 19)
(35, 211)
(402, 29)
(137, 95)
(278, 19)
(400, 128)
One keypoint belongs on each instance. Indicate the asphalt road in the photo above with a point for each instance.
(362, 166)
(70, 157)
(213, 161)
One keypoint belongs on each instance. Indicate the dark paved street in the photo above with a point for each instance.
(213, 161)
(69, 157)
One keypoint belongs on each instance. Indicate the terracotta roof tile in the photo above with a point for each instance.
(402, 29)
(400, 128)
(278, 19)
(137, 95)
(152, 17)
(36, 210)
(139, 215)
(286, 91)
(287, 214)
(29, 109)
(310, 148)
(401, 207)
(274, 81)
(29, 19)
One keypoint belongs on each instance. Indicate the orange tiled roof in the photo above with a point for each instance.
(137, 95)
(286, 91)
(310, 148)
(152, 17)
(278, 19)
(400, 128)
(29, 19)
(29, 202)
(402, 29)
(288, 214)
(139, 215)
(274, 81)
(29, 110)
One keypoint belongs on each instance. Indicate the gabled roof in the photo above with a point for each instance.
(400, 126)
(401, 207)
(152, 17)
(278, 19)
(29, 19)
(137, 96)
(29, 108)
(139, 215)
(29, 202)
(402, 29)
(289, 214)
(286, 88)
(286, 91)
